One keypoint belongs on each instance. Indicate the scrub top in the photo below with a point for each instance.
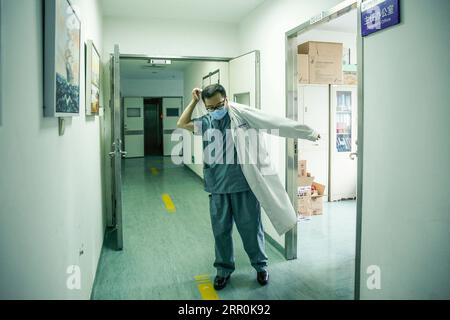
(220, 178)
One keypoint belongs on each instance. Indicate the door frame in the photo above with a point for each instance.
(292, 145)
(106, 120)
(211, 59)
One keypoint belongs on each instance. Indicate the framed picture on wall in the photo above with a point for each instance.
(62, 59)
(92, 79)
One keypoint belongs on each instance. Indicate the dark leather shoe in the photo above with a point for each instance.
(263, 278)
(220, 282)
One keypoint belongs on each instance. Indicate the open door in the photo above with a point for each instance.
(245, 80)
(171, 112)
(116, 153)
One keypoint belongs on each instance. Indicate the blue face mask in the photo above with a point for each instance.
(219, 114)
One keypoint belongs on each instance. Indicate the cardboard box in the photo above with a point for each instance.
(303, 68)
(319, 187)
(324, 62)
(302, 168)
(350, 78)
(304, 195)
(317, 205)
(305, 205)
(317, 198)
(305, 181)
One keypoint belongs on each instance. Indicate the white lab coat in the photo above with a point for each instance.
(262, 178)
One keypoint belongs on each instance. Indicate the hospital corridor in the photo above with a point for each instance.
(207, 151)
(177, 246)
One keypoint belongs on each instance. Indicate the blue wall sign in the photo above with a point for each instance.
(377, 15)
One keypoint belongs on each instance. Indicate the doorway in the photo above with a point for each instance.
(322, 177)
(139, 124)
(153, 129)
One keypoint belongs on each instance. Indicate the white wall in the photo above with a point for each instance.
(406, 207)
(193, 76)
(50, 186)
(170, 37)
(152, 88)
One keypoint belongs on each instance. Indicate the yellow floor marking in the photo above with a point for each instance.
(168, 202)
(206, 288)
(154, 171)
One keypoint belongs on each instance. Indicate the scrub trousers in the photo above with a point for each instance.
(245, 210)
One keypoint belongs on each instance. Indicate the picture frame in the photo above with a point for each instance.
(62, 62)
(93, 74)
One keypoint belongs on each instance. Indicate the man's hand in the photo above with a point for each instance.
(196, 93)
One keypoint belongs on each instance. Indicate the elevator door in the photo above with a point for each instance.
(153, 127)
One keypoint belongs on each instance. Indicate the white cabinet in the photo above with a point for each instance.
(244, 80)
(344, 111)
(332, 111)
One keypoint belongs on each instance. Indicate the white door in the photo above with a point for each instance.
(244, 80)
(344, 111)
(116, 153)
(313, 102)
(134, 126)
(171, 113)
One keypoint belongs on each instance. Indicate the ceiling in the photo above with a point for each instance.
(346, 23)
(141, 69)
(229, 11)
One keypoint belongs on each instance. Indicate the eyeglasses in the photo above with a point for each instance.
(217, 106)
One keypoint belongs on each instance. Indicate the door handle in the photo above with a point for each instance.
(353, 155)
(123, 154)
(117, 146)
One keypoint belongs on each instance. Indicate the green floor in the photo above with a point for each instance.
(164, 251)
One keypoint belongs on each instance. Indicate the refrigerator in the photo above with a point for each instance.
(343, 142)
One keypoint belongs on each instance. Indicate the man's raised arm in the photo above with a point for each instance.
(185, 121)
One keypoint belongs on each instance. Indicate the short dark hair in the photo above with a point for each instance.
(213, 89)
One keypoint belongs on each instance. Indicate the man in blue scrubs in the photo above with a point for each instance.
(231, 198)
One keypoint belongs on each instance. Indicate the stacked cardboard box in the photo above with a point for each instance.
(317, 194)
(350, 78)
(310, 194)
(305, 195)
(320, 62)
